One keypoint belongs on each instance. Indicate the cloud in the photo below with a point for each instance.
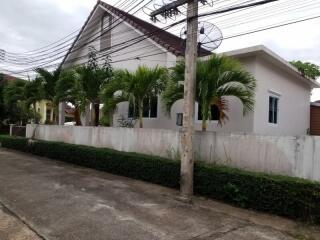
(26, 25)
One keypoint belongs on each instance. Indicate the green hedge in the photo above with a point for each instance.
(286, 196)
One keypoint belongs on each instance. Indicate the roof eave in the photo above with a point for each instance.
(262, 50)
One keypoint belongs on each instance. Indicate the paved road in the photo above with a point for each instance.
(11, 228)
(60, 201)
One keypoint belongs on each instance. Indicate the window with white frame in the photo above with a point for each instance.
(149, 109)
(179, 120)
(214, 113)
(273, 109)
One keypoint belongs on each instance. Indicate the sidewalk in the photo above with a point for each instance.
(60, 201)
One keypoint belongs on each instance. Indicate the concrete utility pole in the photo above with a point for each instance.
(187, 158)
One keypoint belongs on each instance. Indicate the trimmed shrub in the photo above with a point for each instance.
(287, 196)
(154, 169)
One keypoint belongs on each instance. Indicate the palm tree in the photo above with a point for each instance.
(91, 85)
(112, 94)
(33, 93)
(216, 78)
(69, 88)
(93, 77)
(50, 80)
(134, 87)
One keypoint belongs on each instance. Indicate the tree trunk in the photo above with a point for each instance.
(55, 117)
(187, 150)
(77, 116)
(111, 118)
(96, 113)
(35, 113)
(93, 117)
(204, 124)
(140, 114)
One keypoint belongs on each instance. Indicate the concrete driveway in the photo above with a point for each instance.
(53, 200)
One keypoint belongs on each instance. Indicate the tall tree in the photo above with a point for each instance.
(216, 78)
(2, 109)
(69, 89)
(307, 69)
(93, 77)
(50, 80)
(34, 93)
(135, 87)
(15, 102)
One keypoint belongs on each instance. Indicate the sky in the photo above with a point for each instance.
(26, 25)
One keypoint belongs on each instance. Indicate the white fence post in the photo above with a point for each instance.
(62, 106)
(11, 129)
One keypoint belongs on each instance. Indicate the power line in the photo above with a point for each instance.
(93, 23)
(34, 55)
(240, 34)
(56, 54)
(53, 43)
(225, 38)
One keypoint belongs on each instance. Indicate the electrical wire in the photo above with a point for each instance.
(241, 34)
(245, 33)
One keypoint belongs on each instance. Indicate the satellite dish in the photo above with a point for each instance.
(160, 3)
(209, 35)
(208, 2)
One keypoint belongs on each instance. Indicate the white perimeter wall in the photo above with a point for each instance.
(293, 156)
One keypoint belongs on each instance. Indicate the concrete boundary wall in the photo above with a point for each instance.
(292, 156)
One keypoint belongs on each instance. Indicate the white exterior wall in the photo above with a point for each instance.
(294, 104)
(121, 33)
(294, 101)
(237, 122)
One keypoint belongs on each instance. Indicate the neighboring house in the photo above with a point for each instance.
(44, 108)
(45, 111)
(315, 118)
(47, 114)
(7, 78)
(282, 97)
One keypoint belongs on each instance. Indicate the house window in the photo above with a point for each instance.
(215, 113)
(131, 111)
(273, 109)
(105, 39)
(149, 109)
(179, 121)
(48, 115)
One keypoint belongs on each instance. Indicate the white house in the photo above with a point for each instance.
(282, 98)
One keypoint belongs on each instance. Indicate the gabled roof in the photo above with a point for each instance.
(8, 78)
(167, 40)
(271, 56)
